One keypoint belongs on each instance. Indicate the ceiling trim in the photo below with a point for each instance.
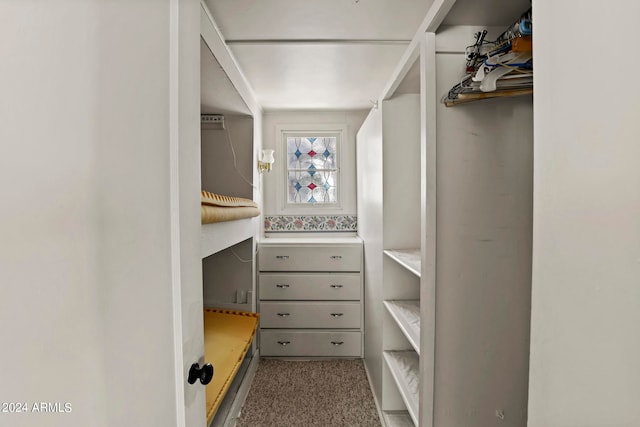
(317, 41)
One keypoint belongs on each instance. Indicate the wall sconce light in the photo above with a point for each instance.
(266, 161)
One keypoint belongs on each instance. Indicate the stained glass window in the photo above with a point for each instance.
(312, 168)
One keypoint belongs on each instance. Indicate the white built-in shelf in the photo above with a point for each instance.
(408, 258)
(221, 235)
(406, 313)
(397, 419)
(404, 367)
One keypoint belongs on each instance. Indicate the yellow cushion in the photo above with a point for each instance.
(227, 338)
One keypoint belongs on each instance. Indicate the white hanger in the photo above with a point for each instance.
(489, 80)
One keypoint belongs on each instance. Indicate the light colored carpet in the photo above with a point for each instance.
(316, 393)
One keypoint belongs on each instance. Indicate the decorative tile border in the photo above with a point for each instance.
(310, 223)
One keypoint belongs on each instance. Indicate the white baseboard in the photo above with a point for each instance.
(375, 399)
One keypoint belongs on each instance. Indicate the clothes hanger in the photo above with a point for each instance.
(508, 63)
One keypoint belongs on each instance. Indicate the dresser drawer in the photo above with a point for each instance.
(294, 286)
(310, 343)
(310, 315)
(309, 258)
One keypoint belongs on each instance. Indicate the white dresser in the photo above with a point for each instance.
(310, 297)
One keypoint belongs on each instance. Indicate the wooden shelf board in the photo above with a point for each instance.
(397, 419)
(406, 313)
(408, 258)
(404, 367)
(465, 98)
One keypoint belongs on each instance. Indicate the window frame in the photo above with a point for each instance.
(302, 131)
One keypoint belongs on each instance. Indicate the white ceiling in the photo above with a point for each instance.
(317, 54)
(321, 76)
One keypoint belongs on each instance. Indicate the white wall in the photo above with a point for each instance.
(220, 173)
(401, 172)
(585, 337)
(49, 222)
(85, 260)
(352, 119)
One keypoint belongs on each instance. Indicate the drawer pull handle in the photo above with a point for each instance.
(282, 256)
(337, 342)
(284, 314)
(283, 343)
(336, 257)
(282, 285)
(336, 286)
(337, 314)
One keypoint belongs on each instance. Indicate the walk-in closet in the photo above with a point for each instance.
(337, 213)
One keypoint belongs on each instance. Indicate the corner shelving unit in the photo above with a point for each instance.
(388, 145)
(452, 270)
(404, 365)
(402, 262)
